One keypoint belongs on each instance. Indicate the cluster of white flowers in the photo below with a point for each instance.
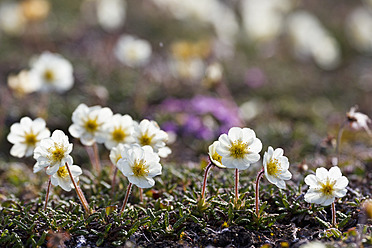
(240, 148)
(48, 72)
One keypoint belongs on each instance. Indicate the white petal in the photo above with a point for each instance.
(256, 146)
(278, 152)
(341, 182)
(18, 150)
(311, 180)
(286, 175)
(328, 201)
(235, 133)
(340, 193)
(321, 173)
(252, 158)
(280, 184)
(335, 173)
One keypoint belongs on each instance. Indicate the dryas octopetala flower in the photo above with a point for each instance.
(88, 124)
(53, 153)
(148, 133)
(119, 129)
(239, 148)
(23, 83)
(131, 51)
(214, 156)
(358, 120)
(276, 167)
(26, 135)
(325, 186)
(53, 72)
(115, 153)
(140, 165)
(62, 177)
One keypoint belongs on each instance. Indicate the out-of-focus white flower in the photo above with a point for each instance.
(192, 69)
(213, 74)
(115, 153)
(239, 148)
(263, 20)
(311, 40)
(325, 186)
(214, 156)
(111, 13)
(88, 124)
(12, 20)
(358, 120)
(148, 133)
(118, 130)
(131, 51)
(23, 83)
(54, 72)
(62, 177)
(53, 153)
(315, 244)
(359, 29)
(276, 167)
(140, 165)
(26, 135)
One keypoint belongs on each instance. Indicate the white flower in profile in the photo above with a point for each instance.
(115, 153)
(54, 72)
(53, 153)
(140, 165)
(23, 83)
(111, 13)
(214, 156)
(131, 51)
(276, 167)
(358, 120)
(62, 178)
(149, 133)
(239, 148)
(88, 124)
(119, 129)
(26, 135)
(325, 186)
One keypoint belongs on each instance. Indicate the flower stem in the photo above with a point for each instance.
(96, 158)
(338, 141)
(236, 186)
(207, 169)
(47, 192)
(126, 198)
(333, 214)
(114, 181)
(257, 200)
(79, 191)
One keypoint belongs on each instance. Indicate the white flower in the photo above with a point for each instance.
(214, 156)
(88, 124)
(149, 133)
(53, 153)
(115, 153)
(359, 29)
(54, 72)
(239, 148)
(111, 13)
(358, 120)
(325, 186)
(23, 83)
(119, 129)
(12, 19)
(276, 167)
(140, 165)
(131, 51)
(314, 244)
(62, 178)
(26, 135)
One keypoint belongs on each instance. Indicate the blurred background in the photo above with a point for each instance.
(288, 69)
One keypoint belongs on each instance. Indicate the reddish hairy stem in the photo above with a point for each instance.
(113, 183)
(333, 207)
(96, 158)
(47, 192)
(126, 198)
(207, 169)
(78, 191)
(257, 199)
(236, 185)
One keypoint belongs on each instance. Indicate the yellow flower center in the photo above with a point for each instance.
(273, 167)
(62, 172)
(30, 139)
(145, 140)
(118, 135)
(238, 149)
(327, 187)
(91, 125)
(140, 169)
(216, 157)
(57, 154)
(49, 75)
